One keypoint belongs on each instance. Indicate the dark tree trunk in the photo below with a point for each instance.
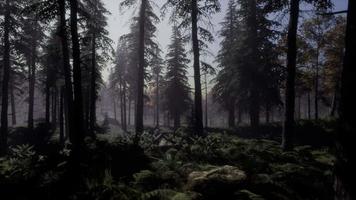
(231, 116)
(47, 112)
(141, 72)
(288, 128)
(157, 101)
(198, 113)
(67, 72)
(299, 107)
(129, 114)
(206, 100)
(254, 107)
(13, 104)
(124, 107)
(114, 104)
(54, 108)
(346, 162)
(92, 114)
(77, 77)
(32, 79)
(316, 87)
(5, 82)
(61, 119)
(309, 106)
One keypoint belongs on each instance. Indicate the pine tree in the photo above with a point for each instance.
(191, 13)
(176, 92)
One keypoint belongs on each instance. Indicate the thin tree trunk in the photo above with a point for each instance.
(157, 101)
(316, 89)
(32, 79)
(141, 72)
(47, 112)
(114, 104)
(198, 113)
(124, 107)
(92, 120)
(129, 114)
(309, 106)
(346, 163)
(288, 129)
(54, 108)
(13, 105)
(5, 82)
(61, 119)
(206, 100)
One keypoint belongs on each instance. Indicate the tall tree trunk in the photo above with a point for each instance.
(47, 112)
(61, 119)
(157, 101)
(141, 72)
(129, 114)
(288, 128)
(67, 72)
(124, 107)
(92, 120)
(309, 106)
(316, 87)
(206, 99)
(346, 161)
(54, 108)
(198, 110)
(77, 77)
(32, 79)
(13, 105)
(5, 82)
(114, 104)
(254, 98)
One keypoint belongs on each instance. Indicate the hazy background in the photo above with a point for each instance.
(119, 24)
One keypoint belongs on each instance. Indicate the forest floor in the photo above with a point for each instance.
(227, 164)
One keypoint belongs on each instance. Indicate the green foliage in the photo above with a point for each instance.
(21, 164)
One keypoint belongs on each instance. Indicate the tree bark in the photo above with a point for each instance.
(316, 87)
(61, 119)
(254, 96)
(93, 97)
(5, 82)
(157, 101)
(288, 128)
(67, 72)
(198, 110)
(141, 72)
(77, 77)
(309, 106)
(32, 80)
(346, 162)
(13, 104)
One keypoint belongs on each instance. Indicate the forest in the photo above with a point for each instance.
(177, 99)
